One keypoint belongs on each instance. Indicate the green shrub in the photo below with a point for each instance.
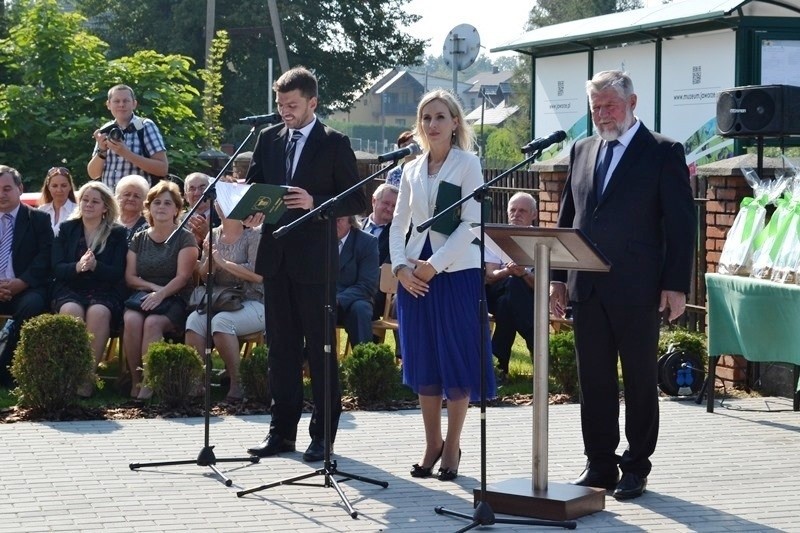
(254, 372)
(683, 339)
(52, 358)
(173, 371)
(563, 363)
(370, 372)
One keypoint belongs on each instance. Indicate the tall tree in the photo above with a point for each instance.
(346, 42)
(54, 89)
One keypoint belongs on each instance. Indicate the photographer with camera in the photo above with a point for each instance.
(127, 145)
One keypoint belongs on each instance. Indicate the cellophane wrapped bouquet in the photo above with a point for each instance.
(748, 230)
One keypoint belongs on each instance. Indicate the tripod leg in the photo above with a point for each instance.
(289, 481)
(225, 479)
(352, 512)
(347, 477)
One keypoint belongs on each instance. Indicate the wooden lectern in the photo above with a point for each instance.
(544, 248)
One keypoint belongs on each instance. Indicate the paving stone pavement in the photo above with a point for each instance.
(733, 470)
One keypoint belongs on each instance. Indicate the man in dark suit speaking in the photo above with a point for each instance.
(628, 190)
(26, 240)
(358, 280)
(317, 163)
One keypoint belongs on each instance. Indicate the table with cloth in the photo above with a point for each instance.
(758, 319)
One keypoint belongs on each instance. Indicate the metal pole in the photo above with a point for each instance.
(210, 10)
(455, 64)
(541, 328)
(270, 97)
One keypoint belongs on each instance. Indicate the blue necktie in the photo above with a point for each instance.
(602, 169)
(290, 149)
(5, 242)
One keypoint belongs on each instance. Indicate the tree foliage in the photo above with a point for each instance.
(56, 78)
(346, 42)
(212, 89)
(548, 12)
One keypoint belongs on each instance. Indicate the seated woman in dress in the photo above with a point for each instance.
(88, 264)
(131, 191)
(234, 259)
(164, 270)
(58, 196)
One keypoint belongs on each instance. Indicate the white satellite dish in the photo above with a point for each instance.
(461, 47)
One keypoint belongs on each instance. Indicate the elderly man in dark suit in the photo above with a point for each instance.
(26, 241)
(317, 163)
(378, 223)
(628, 190)
(358, 279)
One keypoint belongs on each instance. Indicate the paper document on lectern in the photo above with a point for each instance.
(239, 200)
(492, 246)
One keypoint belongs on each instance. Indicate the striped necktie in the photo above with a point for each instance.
(6, 239)
(290, 149)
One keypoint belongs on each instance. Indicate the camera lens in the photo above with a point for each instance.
(115, 134)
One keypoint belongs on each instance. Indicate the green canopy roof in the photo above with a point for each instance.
(663, 21)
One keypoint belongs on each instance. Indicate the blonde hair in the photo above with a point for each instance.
(463, 136)
(100, 238)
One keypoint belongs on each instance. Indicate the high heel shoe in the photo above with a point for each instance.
(426, 471)
(448, 474)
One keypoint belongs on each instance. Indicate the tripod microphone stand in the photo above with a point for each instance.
(329, 468)
(206, 457)
(483, 515)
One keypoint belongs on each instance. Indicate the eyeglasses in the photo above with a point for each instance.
(55, 171)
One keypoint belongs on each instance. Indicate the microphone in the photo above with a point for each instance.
(411, 149)
(541, 144)
(257, 120)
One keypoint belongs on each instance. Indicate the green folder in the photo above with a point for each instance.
(239, 201)
(447, 195)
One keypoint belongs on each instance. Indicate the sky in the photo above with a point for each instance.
(497, 22)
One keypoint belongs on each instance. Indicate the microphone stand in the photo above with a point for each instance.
(483, 515)
(329, 468)
(206, 456)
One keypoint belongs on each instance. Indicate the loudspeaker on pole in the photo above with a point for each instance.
(759, 110)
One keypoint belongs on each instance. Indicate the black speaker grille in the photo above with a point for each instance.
(725, 119)
(760, 109)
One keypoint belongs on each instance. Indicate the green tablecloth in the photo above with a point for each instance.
(755, 318)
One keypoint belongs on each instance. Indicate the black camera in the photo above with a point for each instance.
(113, 132)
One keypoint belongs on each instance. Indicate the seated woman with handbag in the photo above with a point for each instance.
(237, 304)
(88, 264)
(160, 273)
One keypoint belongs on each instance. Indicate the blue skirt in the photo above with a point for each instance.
(440, 337)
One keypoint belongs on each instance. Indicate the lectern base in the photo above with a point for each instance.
(560, 501)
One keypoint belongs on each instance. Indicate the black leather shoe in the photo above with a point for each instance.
(315, 451)
(630, 486)
(272, 445)
(594, 478)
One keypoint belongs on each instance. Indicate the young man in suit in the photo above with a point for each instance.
(628, 190)
(358, 279)
(26, 241)
(317, 163)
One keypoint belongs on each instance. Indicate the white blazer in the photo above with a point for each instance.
(63, 215)
(414, 205)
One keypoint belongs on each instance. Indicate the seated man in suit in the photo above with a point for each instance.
(510, 289)
(193, 188)
(357, 282)
(377, 223)
(26, 241)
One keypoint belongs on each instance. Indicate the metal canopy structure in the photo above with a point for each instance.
(646, 24)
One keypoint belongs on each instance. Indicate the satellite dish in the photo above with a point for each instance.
(461, 47)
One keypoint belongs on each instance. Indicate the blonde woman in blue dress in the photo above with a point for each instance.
(440, 283)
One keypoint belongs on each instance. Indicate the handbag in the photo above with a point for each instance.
(134, 302)
(224, 299)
